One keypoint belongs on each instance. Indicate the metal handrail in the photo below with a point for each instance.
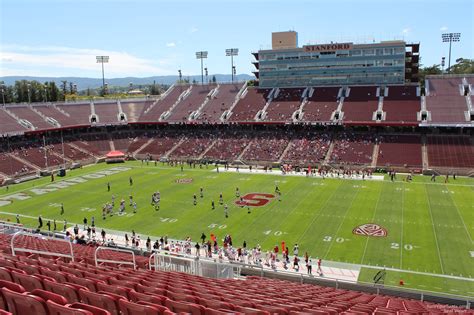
(97, 260)
(26, 250)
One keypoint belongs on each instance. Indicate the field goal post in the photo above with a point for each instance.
(40, 252)
(110, 261)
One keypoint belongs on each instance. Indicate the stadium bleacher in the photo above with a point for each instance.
(248, 106)
(219, 103)
(41, 284)
(153, 112)
(360, 105)
(284, 105)
(321, 104)
(445, 102)
(196, 97)
(450, 151)
(25, 112)
(401, 105)
(400, 150)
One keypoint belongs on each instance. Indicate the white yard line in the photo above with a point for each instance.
(434, 231)
(318, 215)
(342, 222)
(401, 232)
(460, 216)
(373, 218)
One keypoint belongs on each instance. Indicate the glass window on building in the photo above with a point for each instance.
(399, 51)
(369, 52)
(356, 52)
(388, 51)
(379, 52)
(378, 63)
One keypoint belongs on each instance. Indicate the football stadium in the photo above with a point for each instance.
(337, 180)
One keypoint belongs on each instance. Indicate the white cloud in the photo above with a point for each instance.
(443, 28)
(68, 61)
(193, 29)
(406, 31)
(171, 44)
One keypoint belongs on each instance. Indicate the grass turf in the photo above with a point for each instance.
(430, 225)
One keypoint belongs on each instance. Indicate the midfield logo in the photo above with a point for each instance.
(254, 200)
(370, 229)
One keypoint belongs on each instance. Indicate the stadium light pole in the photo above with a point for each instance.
(450, 37)
(180, 76)
(232, 52)
(201, 55)
(205, 71)
(442, 63)
(29, 96)
(3, 94)
(102, 60)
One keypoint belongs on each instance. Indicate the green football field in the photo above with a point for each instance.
(429, 226)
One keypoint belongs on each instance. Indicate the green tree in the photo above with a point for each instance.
(214, 80)
(462, 66)
(64, 89)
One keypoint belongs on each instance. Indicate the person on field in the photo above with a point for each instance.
(320, 270)
(201, 192)
(108, 186)
(62, 209)
(40, 222)
(309, 267)
(212, 205)
(226, 212)
(221, 199)
(130, 181)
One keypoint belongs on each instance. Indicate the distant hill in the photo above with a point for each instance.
(84, 83)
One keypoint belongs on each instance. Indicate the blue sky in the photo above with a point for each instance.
(145, 37)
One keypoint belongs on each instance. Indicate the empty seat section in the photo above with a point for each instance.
(401, 105)
(190, 103)
(219, 103)
(80, 112)
(56, 114)
(25, 112)
(107, 113)
(9, 124)
(247, 107)
(321, 104)
(400, 150)
(445, 102)
(282, 107)
(360, 105)
(157, 108)
(133, 110)
(450, 151)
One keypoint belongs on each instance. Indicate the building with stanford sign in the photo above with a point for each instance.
(287, 65)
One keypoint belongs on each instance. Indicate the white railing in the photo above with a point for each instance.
(41, 252)
(119, 262)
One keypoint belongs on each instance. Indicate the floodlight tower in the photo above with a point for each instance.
(3, 87)
(201, 55)
(232, 52)
(102, 60)
(450, 37)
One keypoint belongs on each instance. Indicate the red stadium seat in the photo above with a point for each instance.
(5, 274)
(88, 283)
(93, 309)
(178, 307)
(147, 297)
(22, 303)
(130, 308)
(63, 289)
(29, 282)
(50, 296)
(104, 301)
(116, 289)
(58, 309)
